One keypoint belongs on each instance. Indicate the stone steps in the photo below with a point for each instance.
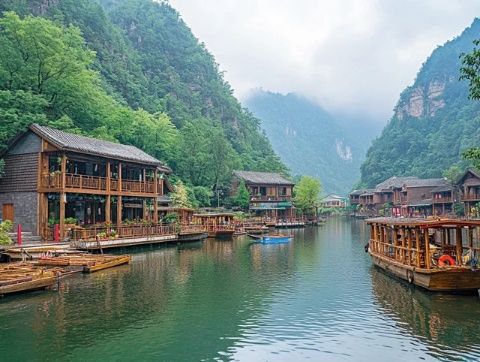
(27, 237)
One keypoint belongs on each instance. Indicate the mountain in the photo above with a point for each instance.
(433, 121)
(312, 141)
(130, 71)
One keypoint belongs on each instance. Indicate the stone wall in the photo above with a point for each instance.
(25, 206)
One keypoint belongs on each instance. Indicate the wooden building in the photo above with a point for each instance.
(51, 175)
(443, 199)
(333, 201)
(469, 185)
(270, 193)
(416, 196)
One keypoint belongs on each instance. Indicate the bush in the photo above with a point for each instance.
(5, 228)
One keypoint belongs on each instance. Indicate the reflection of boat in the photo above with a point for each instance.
(271, 238)
(445, 320)
(427, 253)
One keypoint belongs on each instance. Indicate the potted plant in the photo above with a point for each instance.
(70, 222)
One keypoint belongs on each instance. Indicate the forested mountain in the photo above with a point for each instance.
(129, 71)
(433, 122)
(310, 140)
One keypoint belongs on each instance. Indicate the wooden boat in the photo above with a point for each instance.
(271, 238)
(22, 277)
(217, 225)
(256, 229)
(87, 263)
(438, 255)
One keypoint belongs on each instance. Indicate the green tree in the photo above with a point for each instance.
(179, 196)
(203, 195)
(242, 196)
(452, 174)
(307, 194)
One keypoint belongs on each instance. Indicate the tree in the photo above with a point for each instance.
(307, 194)
(179, 196)
(203, 195)
(242, 196)
(452, 174)
(470, 71)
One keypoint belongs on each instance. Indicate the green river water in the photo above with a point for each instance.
(317, 297)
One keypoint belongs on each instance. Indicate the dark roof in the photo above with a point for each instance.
(426, 182)
(472, 171)
(444, 188)
(393, 182)
(262, 177)
(356, 192)
(92, 146)
(425, 202)
(367, 192)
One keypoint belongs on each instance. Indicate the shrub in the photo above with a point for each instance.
(5, 228)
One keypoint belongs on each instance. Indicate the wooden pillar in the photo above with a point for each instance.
(108, 201)
(108, 215)
(155, 209)
(458, 245)
(119, 210)
(402, 252)
(395, 242)
(119, 177)
(417, 241)
(409, 245)
(63, 196)
(108, 176)
(145, 210)
(427, 248)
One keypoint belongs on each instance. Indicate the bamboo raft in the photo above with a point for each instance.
(21, 277)
(88, 263)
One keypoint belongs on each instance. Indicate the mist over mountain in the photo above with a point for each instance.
(433, 121)
(312, 141)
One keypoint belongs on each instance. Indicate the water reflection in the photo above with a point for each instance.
(448, 324)
(316, 297)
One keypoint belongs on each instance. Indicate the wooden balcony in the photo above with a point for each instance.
(84, 183)
(272, 198)
(471, 197)
(442, 200)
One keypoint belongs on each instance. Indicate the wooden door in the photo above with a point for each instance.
(7, 212)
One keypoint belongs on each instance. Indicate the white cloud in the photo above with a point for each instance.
(348, 55)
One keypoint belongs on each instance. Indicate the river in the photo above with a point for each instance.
(317, 297)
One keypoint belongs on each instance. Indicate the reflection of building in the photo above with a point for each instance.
(51, 175)
(270, 193)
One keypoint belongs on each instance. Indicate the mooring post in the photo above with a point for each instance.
(19, 234)
(56, 232)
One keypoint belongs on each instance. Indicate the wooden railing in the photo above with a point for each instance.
(270, 198)
(127, 231)
(440, 200)
(471, 197)
(84, 182)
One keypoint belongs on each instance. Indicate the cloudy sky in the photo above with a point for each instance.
(348, 55)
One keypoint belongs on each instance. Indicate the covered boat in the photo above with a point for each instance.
(436, 254)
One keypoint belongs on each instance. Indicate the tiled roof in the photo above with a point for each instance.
(367, 192)
(444, 188)
(262, 177)
(356, 192)
(393, 182)
(426, 182)
(92, 146)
